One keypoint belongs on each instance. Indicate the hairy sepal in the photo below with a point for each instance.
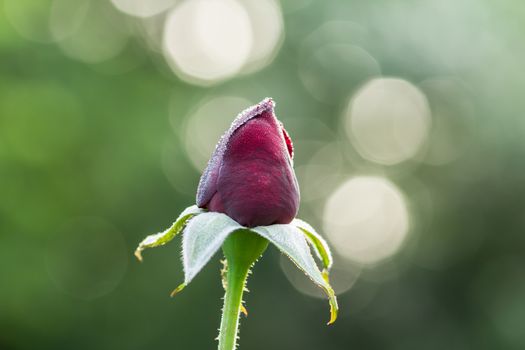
(167, 235)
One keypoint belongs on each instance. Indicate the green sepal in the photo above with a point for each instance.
(317, 242)
(165, 236)
(292, 242)
(206, 232)
(203, 237)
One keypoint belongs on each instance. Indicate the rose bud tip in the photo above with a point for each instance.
(250, 175)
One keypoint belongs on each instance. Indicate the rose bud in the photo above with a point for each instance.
(250, 175)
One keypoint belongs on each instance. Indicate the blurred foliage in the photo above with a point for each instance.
(93, 158)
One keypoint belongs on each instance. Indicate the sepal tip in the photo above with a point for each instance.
(334, 308)
(138, 254)
(178, 290)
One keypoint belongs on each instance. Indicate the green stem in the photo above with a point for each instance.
(241, 249)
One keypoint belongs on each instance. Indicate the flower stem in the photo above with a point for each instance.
(241, 249)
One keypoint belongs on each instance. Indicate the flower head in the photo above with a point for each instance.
(247, 198)
(250, 175)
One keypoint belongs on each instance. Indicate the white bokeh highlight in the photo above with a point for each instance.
(388, 120)
(366, 219)
(207, 41)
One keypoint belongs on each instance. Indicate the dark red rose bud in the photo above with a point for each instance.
(250, 175)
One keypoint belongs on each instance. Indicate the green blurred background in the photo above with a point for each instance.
(407, 118)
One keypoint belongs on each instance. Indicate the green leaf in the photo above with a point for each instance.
(202, 238)
(291, 241)
(164, 237)
(317, 242)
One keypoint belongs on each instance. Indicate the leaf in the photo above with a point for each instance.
(164, 237)
(202, 238)
(320, 246)
(291, 241)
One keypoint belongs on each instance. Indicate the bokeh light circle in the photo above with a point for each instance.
(204, 127)
(88, 258)
(207, 41)
(143, 8)
(366, 219)
(388, 120)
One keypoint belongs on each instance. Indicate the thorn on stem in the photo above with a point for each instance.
(244, 310)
